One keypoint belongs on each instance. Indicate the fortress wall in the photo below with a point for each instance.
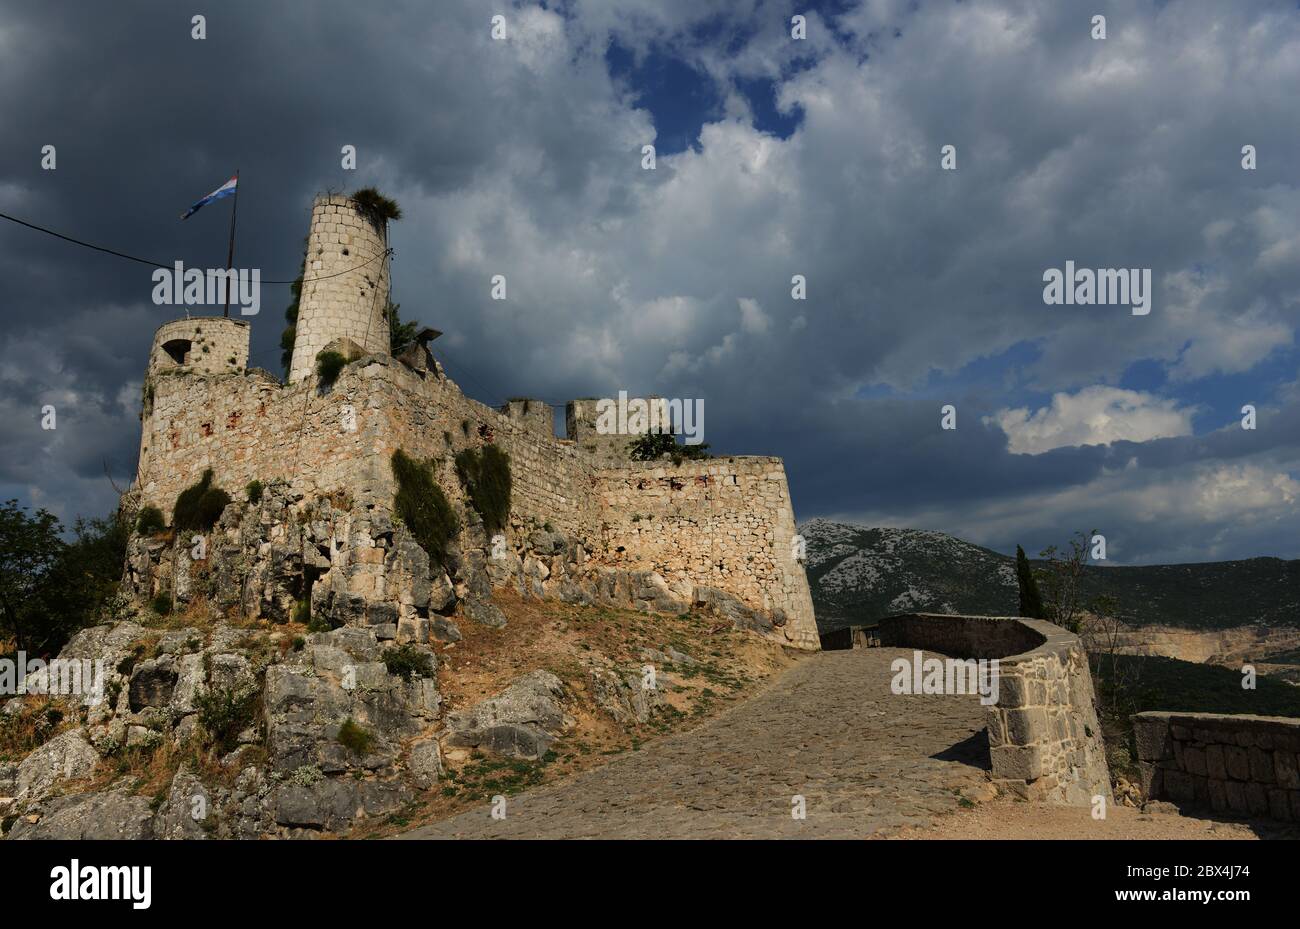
(431, 418)
(720, 523)
(1240, 764)
(1044, 739)
(247, 427)
(724, 523)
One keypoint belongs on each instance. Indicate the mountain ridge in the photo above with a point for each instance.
(859, 574)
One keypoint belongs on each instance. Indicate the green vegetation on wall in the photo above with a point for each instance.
(486, 475)
(422, 506)
(149, 520)
(651, 446)
(199, 506)
(328, 366)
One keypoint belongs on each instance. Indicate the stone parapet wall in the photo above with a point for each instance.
(1247, 765)
(1044, 739)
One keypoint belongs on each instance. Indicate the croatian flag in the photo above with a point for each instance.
(225, 190)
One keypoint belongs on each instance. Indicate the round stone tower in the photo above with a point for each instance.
(200, 345)
(337, 302)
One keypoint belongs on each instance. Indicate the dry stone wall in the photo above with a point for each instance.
(1246, 765)
(1044, 739)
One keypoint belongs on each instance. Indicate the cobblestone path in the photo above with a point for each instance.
(867, 762)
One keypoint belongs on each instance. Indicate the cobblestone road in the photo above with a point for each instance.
(868, 763)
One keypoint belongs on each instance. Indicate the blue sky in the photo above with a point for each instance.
(775, 157)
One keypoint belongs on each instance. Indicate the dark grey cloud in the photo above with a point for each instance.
(523, 158)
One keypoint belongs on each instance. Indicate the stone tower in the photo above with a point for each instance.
(200, 345)
(341, 305)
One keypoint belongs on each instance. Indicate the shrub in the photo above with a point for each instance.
(31, 726)
(302, 612)
(162, 604)
(652, 446)
(149, 521)
(376, 207)
(254, 492)
(354, 738)
(224, 714)
(407, 661)
(329, 365)
(199, 506)
(422, 505)
(486, 476)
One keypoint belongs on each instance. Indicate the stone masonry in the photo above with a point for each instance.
(345, 287)
(199, 345)
(1044, 739)
(1247, 765)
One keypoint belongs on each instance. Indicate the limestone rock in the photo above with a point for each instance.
(65, 757)
(519, 722)
(483, 612)
(152, 683)
(116, 814)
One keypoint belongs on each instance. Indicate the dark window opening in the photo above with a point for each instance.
(178, 350)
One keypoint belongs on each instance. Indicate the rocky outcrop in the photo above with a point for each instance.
(520, 722)
(116, 814)
(66, 757)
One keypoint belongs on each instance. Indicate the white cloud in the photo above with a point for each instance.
(1096, 415)
(752, 318)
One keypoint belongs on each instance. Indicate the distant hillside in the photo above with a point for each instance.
(860, 574)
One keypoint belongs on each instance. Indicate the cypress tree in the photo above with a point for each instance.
(1031, 601)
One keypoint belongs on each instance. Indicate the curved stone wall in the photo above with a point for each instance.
(1044, 739)
(200, 345)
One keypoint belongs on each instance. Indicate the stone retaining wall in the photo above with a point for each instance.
(1240, 764)
(1044, 739)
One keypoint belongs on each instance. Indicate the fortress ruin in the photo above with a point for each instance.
(586, 523)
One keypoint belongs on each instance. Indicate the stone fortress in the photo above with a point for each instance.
(586, 523)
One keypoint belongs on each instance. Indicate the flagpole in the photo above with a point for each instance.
(230, 256)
